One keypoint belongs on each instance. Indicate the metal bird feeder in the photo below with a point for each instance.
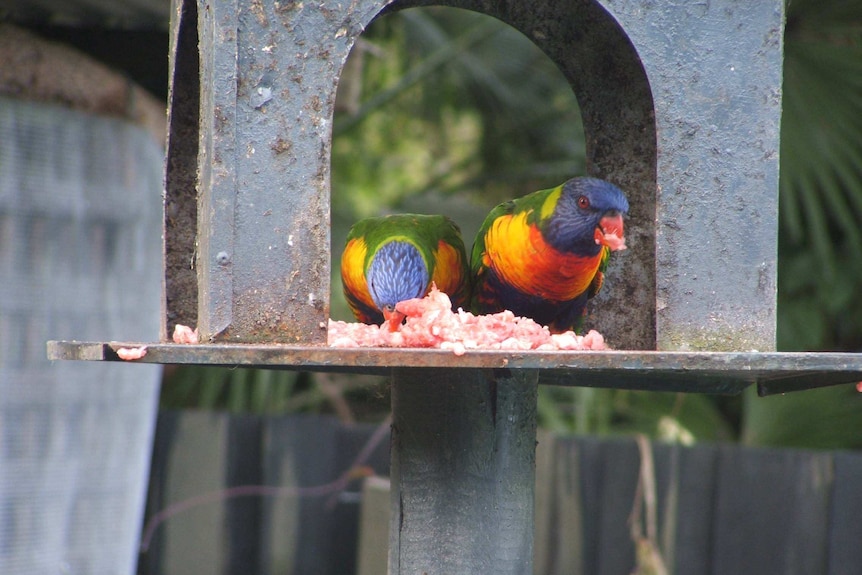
(681, 105)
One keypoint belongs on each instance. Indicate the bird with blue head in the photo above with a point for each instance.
(390, 259)
(544, 255)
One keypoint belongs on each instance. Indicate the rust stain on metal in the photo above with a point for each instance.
(314, 103)
(280, 146)
(287, 7)
(259, 13)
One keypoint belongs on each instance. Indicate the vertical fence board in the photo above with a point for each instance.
(193, 446)
(845, 551)
(299, 451)
(559, 530)
(771, 512)
(570, 512)
(149, 562)
(373, 554)
(589, 454)
(620, 463)
(545, 504)
(243, 514)
(806, 547)
(352, 439)
(694, 475)
(346, 509)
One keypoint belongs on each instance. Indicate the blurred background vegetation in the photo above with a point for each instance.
(446, 111)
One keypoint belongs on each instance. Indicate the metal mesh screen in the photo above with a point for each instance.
(79, 259)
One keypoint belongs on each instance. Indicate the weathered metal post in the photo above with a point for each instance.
(463, 471)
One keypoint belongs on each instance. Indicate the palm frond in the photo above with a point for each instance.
(820, 208)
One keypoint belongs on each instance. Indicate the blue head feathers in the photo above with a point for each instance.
(582, 206)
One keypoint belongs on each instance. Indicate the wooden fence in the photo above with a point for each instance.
(716, 510)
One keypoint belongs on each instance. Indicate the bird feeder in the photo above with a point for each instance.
(681, 105)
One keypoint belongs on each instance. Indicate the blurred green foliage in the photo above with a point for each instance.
(820, 246)
(238, 390)
(446, 111)
(820, 231)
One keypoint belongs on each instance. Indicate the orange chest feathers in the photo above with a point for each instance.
(519, 255)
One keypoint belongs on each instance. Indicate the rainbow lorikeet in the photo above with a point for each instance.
(394, 258)
(543, 255)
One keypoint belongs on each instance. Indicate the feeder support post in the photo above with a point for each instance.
(463, 471)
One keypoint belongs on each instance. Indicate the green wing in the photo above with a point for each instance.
(530, 203)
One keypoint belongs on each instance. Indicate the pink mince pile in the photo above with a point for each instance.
(431, 323)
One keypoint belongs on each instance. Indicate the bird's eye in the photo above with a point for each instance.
(583, 202)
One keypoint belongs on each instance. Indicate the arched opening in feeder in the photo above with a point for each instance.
(590, 54)
(260, 87)
(445, 111)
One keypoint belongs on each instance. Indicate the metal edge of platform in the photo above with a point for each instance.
(675, 371)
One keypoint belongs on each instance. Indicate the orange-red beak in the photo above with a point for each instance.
(612, 224)
(610, 232)
(392, 318)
